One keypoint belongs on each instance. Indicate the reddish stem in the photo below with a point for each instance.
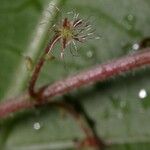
(91, 139)
(99, 73)
(39, 66)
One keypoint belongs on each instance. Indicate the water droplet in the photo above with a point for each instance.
(142, 94)
(130, 17)
(89, 54)
(135, 46)
(37, 126)
(97, 38)
(128, 26)
(129, 21)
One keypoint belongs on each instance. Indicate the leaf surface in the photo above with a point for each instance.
(120, 114)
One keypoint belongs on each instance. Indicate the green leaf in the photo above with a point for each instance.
(120, 114)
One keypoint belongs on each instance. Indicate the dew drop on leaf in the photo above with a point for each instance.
(37, 126)
(89, 54)
(123, 104)
(142, 94)
(135, 46)
(129, 21)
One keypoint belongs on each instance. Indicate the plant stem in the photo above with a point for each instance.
(39, 66)
(91, 139)
(98, 73)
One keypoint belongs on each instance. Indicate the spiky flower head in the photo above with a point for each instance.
(71, 31)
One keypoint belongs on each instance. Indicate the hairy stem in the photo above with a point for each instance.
(39, 66)
(98, 73)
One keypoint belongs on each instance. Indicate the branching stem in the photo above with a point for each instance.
(98, 73)
(39, 66)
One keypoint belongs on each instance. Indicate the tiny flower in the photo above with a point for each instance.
(72, 31)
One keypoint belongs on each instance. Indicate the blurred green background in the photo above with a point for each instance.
(117, 106)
